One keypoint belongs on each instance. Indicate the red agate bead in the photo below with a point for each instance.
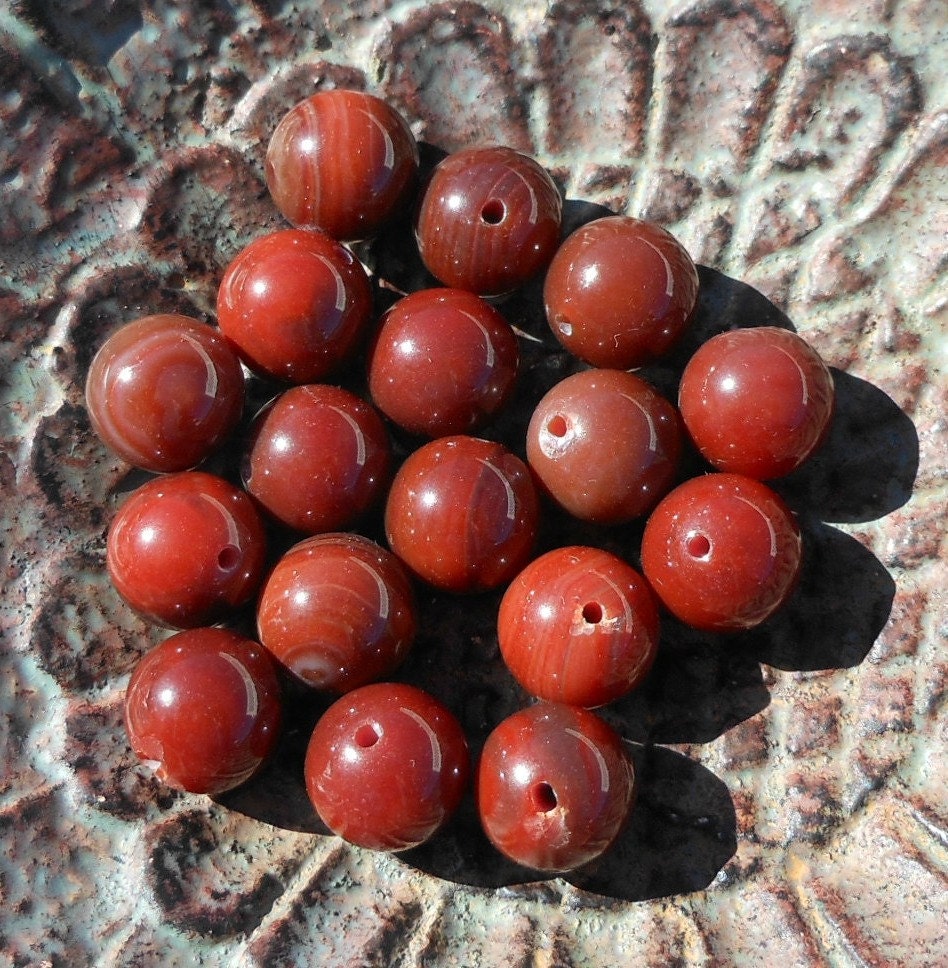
(386, 766)
(722, 552)
(343, 162)
(317, 458)
(578, 625)
(554, 787)
(186, 549)
(203, 709)
(294, 305)
(164, 391)
(444, 362)
(337, 611)
(757, 401)
(489, 220)
(462, 514)
(605, 445)
(620, 292)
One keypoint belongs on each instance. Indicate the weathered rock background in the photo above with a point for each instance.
(793, 807)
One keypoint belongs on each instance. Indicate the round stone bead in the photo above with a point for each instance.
(337, 611)
(554, 787)
(187, 549)
(341, 161)
(489, 220)
(462, 514)
(605, 445)
(620, 292)
(386, 766)
(203, 709)
(757, 401)
(294, 305)
(164, 391)
(318, 457)
(722, 552)
(444, 362)
(578, 625)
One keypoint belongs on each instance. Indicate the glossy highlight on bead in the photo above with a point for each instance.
(444, 362)
(343, 162)
(317, 458)
(489, 220)
(386, 766)
(605, 445)
(554, 787)
(620, 292)
(578, 625)
(462, 513)
(294, 305)
(164, 391)
(722, 552)
(203, 709)
(338, 612)
(757, 401)
(186, 549)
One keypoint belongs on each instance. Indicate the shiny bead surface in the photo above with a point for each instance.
(294, 305)
(489, 220)
(317, 458)
(605, 445)
(462, 514)
(554, 786)
(757, 401)
(337, 611)
(620, 292)
(203, 709)
(578, 625)
(722, 552)
(341, 161)
(444, 362)
(164, 391)
(186, 549)
(386, 766)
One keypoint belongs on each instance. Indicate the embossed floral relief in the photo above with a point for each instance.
(799, 152)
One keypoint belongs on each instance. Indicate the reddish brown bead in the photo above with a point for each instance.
(338, 612)
(554, 786)
(317, 459)
(203, 708)
(294, 305)
(462, 514)
(341, 161)
(489, 220)
(444, 362)
(620, 292)
(757, 401)
(605, 445)
(164, 391)
(186, 549)
(579, 626)
(386, 766)
(722, 552)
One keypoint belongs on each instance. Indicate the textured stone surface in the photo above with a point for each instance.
(793, 806)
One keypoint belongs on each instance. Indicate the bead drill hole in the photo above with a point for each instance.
(543, 797)
(228, 558)
(557, 425)
(698, 545)
(493, 212)
(592, 613)
(366, 736)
